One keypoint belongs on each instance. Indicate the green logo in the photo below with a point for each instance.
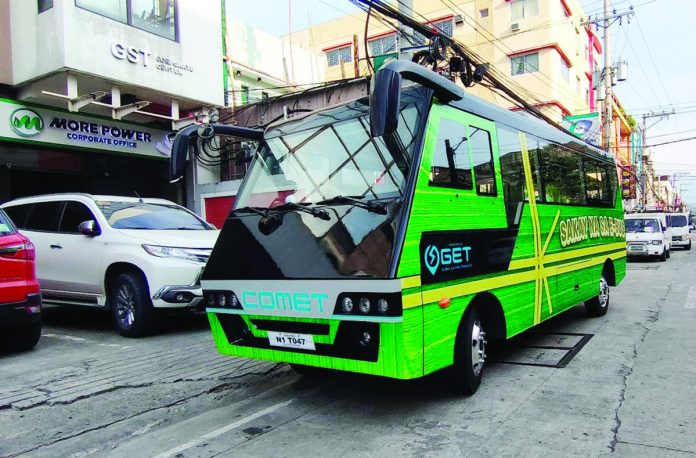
(26, 122)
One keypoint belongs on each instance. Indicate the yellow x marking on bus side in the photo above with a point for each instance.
(541, 277)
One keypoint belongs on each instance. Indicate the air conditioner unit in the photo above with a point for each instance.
(458, 19)
(515, 26)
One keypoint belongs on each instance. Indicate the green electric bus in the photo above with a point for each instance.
(397, 233)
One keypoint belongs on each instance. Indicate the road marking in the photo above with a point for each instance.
(220, 431)
(691, 299)
(66, 337)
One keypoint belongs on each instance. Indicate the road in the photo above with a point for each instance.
(629, 391)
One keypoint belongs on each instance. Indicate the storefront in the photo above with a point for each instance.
(47, 150)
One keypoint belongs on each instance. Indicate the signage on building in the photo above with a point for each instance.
(586, 126)
(49, 126)
(628, 182)
(141, 56)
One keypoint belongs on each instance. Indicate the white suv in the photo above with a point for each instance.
(134, 256)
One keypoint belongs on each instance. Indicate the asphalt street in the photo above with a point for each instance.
(629, 391)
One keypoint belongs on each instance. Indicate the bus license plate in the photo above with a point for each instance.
(291, 340)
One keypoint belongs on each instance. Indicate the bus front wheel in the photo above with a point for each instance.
(598, 305)
(469, 353)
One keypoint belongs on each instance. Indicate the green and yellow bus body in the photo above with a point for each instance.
(386, 254)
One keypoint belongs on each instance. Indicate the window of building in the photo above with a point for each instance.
(484, 12)
(522, 9)
(336, 56)
(451, 166)
(264, 95)
(565, 70)
(45, 5)
(383, 45)
(154, 16)
(245, 94)
(526, 63)
(482, 161)
(445, 27)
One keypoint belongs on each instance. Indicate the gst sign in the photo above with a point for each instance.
(455, 256)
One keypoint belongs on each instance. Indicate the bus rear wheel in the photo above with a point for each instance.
(469, 354)
(598, 305)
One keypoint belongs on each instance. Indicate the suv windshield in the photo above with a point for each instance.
(143, 215)
(330, 154)
(642, 225)
(679, 221)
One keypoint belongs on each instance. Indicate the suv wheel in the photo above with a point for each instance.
(21, 338)
(131, 306)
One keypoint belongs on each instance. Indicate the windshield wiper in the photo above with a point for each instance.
(370, 206)
(267, 212)
(316, 212)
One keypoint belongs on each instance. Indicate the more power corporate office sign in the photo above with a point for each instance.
(19, 122)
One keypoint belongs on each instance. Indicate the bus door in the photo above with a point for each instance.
(459, 214)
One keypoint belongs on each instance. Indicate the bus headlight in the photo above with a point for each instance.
(364, 305)
(382, 306)
(347, 305)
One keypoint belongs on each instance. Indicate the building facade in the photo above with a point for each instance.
(540, 45)
(93, 90)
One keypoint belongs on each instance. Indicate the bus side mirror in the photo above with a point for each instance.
(385, 98)
(180, 149)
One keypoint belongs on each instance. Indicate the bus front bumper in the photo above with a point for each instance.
(375, 348)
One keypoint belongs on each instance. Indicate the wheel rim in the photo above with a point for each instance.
(125, 306)
(478, 348)
(603, 292)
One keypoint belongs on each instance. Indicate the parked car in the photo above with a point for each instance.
(20, 297)
(680, 230)
(133, 256)
(646, 236)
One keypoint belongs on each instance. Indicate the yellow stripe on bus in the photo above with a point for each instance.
(566, 255)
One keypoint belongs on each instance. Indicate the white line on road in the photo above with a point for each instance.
(66, 337)
(691, 299)
(220, 431)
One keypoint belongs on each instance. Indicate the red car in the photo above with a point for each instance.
(20, 296)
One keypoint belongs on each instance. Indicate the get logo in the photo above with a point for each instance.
(440, 257)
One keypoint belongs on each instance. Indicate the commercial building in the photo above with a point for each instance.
(92, 91)
(259, 67)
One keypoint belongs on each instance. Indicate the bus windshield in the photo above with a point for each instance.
(330, 154)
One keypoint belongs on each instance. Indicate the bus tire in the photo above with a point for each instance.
(598, 305)
(131, 307)
(469, 354)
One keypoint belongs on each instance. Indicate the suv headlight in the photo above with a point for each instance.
(185, 254)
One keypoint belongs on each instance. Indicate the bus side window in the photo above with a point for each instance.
(512, 170)
(561, 174)
(482, 158)
(451, 167)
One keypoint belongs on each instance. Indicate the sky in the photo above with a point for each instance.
(658, 45)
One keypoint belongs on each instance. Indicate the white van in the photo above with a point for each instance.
(680, 230)
(646, 236)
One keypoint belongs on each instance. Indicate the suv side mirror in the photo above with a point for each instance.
(89, 228)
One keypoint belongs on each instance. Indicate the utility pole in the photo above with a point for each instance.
(405, 8)
(644, 178)
(607, 80)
